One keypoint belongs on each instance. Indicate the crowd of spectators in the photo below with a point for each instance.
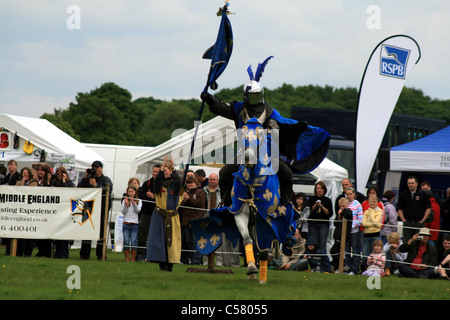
(408, 238)
(45, 176)
(386, 234)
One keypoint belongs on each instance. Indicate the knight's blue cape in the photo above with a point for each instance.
(302, 146)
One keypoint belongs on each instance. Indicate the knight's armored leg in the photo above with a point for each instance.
(226, 182)
(285, 177)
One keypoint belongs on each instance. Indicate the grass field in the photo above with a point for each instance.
(46, 279)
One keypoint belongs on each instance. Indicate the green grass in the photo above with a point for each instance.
(45, 279)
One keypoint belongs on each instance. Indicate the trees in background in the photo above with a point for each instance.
(109, 115)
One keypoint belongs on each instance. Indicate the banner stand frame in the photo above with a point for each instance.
(105, 227)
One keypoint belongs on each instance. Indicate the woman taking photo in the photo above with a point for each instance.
(321, 211)
(62, 180)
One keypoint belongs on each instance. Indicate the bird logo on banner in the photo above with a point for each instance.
(81, 211)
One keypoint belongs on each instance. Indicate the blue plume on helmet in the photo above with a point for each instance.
(250, 72)
(260, 69)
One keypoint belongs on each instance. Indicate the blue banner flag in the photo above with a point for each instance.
(220, 52)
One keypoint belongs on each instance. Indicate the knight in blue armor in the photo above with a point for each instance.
(301, 147)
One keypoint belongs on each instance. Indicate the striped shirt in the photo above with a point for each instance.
(358, 215)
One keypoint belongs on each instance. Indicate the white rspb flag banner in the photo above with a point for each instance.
(50, 213)
(389, 66)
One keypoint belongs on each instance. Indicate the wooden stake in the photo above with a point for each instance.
(13, 247)
(342, 251)
(210, 267)
(211, 257)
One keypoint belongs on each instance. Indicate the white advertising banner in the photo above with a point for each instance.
(50, 213)
(388, 68)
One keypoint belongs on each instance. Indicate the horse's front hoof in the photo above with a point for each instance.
(251, 269)
(251, 277)
(262, 281)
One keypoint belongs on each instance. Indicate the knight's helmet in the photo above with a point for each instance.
(253, 90)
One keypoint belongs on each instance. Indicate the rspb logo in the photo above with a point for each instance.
(393, 61)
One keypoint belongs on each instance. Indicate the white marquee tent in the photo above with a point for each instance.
(60, 148)
(214, 133)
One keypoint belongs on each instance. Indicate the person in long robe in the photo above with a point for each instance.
(164, 237)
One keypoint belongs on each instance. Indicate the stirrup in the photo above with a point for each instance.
(220, 205)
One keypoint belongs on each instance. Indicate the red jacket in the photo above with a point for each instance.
(435, 224)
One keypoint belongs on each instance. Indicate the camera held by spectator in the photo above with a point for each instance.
(92, 172)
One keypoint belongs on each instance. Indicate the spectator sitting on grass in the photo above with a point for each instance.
(317, 259)
(296, 261)
(376, 261)
(422, 256)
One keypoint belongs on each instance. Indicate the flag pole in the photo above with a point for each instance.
(197, 124)
(209, 82)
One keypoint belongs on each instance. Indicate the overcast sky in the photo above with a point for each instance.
(51, 50)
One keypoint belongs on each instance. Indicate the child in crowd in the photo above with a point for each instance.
(393, 255)
(376, 261)
(301, 204)
(372, 226)
(131, 206)
(343, 212)
(317, 259)
(373, 191)
(353, 247)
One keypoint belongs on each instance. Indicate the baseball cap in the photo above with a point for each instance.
(97, 164)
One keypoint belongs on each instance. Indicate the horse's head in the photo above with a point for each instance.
(252, 137)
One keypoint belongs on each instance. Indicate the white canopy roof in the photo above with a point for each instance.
(330, 171)
(43, 135)
(428, 154)
(331, 174)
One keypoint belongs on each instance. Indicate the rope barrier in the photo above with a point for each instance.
(308, 220)
(317, 220)
(396, 261)
(355, 254)
(303, 220)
